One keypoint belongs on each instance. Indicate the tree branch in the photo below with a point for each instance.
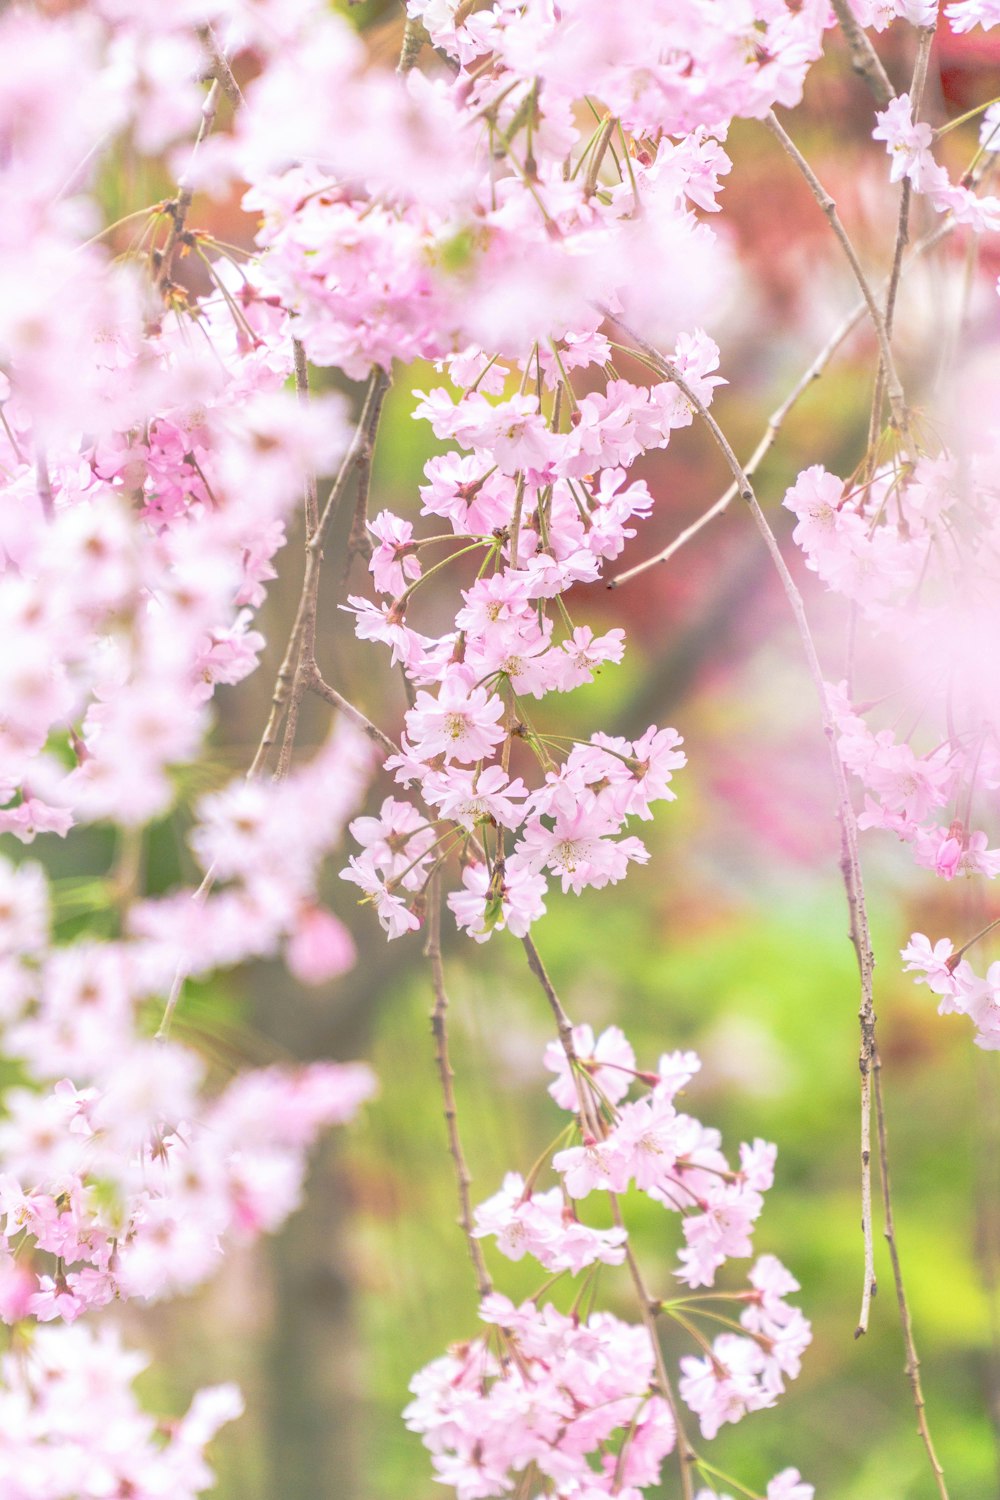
(852, 863)
(439, 1027)
(329, 694)
(864, 59)
(906, 1322)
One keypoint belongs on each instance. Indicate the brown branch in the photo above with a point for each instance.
(852, 863)
(906, 1322)
(302, 390)
(414, 38)
(219, 68)
(864, 59)
(279, 698)
(361, 445)
(300, 657)
(894, 389)
(766, 442)
(181, 205)
(359, 542)
(330, 695)
(439, 1028)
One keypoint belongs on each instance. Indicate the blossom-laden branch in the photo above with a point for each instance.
(852, 863)
(591, 1124)
(152, 455)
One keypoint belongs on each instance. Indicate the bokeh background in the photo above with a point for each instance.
(733, 940)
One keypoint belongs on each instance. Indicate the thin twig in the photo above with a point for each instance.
(361, 444)
(181, 205)
(565, 1028)
(284, 681)
(906, 1322)
(852, 863)
(359, 542)
(302, 390)
(439, 1027)
(357, 459)
(894, 389)
(917, 84)
(774, 424)
(279, 698)
(864, 59)
(777, 418)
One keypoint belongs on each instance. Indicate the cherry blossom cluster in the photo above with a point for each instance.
(925, 751)
(151, 455)
(544, 1392)
(911, 543)
(908, 143)
(962, 15)
(557, 503)
(895, 549)
(582, 1400)
(69, 1417)
(511, 214)
(960, 988)
(262, 846)
(122, 1174)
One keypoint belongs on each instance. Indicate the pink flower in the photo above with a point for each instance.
(460, 723)
(512, 897)
(608, 1063)
(908, 144)
(595, 1164)
(789, 1485)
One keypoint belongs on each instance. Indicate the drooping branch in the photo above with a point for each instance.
(852, 863)
(316, 684)
(442, 1058)
(299, 662)
(905, 1319)
(359, 542)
